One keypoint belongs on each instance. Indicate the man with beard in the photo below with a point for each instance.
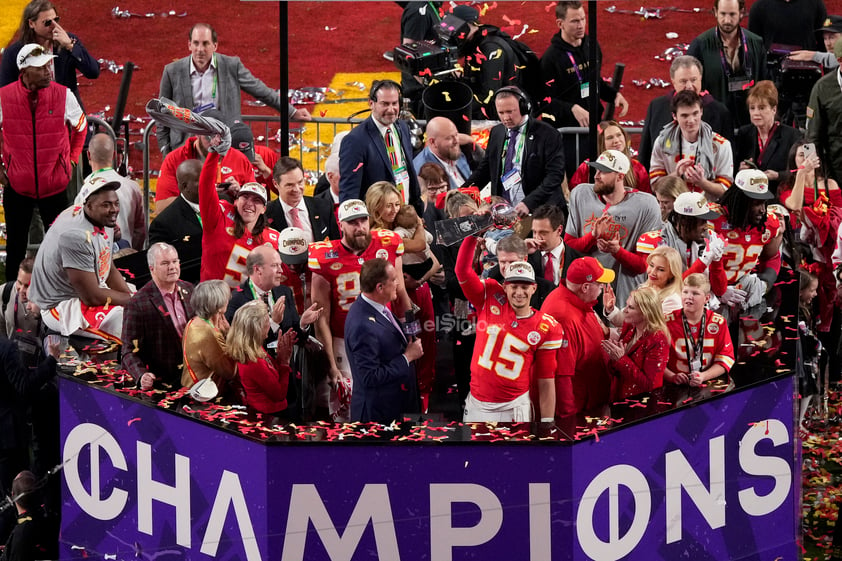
(686, 230)
(685, 74)
(734, 57)
(754, 237)
(443, 148)
(688, 148)
(74, 282)
(336, 267)
(379, 149)
(607, 218)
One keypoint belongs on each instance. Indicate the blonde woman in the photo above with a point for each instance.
(638, 359)
(265, 379)
(663, 274)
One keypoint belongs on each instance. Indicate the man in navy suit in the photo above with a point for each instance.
(379, 149)
(380, 356)
(443, 149)
(313, 216)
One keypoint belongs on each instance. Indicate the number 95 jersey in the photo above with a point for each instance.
(341, 268)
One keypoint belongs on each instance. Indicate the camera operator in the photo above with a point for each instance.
(490, 61)
(418, 23)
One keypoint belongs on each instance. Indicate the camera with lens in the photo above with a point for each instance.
(433, 60)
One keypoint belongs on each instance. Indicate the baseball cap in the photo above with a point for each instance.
(753, 183)
(832, 24)
(252, 187)
(466, 13)
(93, 184)
(33, 55)
(520, 271)
(588, 269)
(292, 245)
(242, 139)
(694, 204)
(612, 161)
(351, 209)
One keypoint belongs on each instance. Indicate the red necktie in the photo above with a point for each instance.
(549, 272)
(296, 220)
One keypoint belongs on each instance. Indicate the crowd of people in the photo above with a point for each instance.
(610, 277)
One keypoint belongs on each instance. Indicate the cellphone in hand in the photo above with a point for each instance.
(809, 150)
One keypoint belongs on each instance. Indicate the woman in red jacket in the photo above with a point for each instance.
(638, 359)
(265, 380)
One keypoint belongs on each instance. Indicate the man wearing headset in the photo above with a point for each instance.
(379, 149)
(524, 161)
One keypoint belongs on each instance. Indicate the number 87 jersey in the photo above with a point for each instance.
(341, 268)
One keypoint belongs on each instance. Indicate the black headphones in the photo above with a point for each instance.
(377, 85)
(523, 103)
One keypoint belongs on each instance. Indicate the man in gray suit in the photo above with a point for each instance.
(207, 79)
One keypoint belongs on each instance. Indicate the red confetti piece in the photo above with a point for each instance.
(132, 421)
(359, 165)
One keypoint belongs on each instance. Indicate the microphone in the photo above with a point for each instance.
(411, 326)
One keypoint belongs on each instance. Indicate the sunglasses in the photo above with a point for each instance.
(49, 22)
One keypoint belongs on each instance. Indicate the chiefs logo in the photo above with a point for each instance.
(494, 310)
(534, 338)
(225, 169)
(336, 266)
(767, 235)
(382, 254)
(733, 235)
(713, 329)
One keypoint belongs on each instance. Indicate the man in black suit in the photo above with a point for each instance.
(511, 250)
(380, 356)
(531, 154)
(313, 216)
(379, 149)
(179, 224)
(154, 321)
(685, 74)
(548, 254)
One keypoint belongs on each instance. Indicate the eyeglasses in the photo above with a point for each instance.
(49, 22)
(438, 187)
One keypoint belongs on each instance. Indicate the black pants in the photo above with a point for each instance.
(18, 216)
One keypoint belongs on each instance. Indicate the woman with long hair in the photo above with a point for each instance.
(40, 24)
(231, 231)
(663, 275)
(638, 358)
(265, 379)
(383, 201)
(612, 136)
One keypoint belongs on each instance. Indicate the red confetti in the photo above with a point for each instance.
(359, 165)
(132, 421)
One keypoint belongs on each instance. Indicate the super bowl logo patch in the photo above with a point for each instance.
(534, 338)
(494, 310)
(713, 329)
(500, 297)
(382, 254)
(336, 266)
(332, 254)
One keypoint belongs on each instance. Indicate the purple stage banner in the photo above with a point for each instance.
(712, 481)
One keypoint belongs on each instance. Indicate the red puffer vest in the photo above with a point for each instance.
(36, 149)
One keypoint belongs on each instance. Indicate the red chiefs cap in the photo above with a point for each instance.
(588, 269)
